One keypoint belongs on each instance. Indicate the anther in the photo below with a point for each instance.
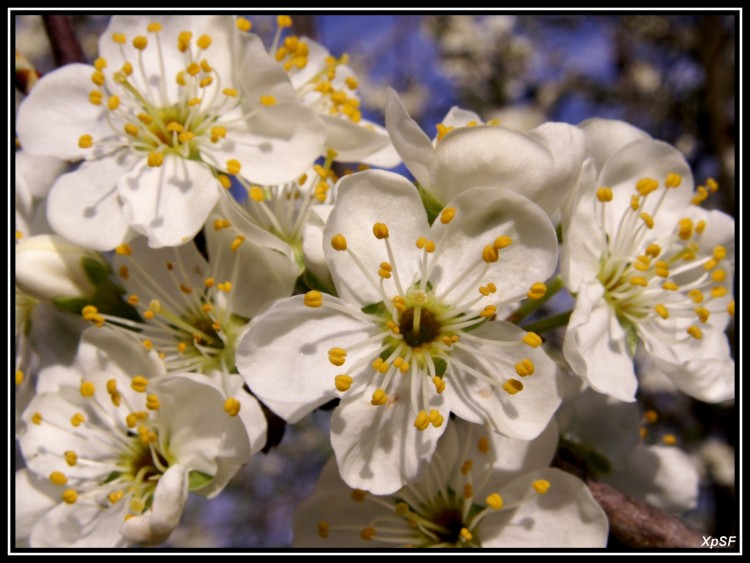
(343, 382)
(358, 495)
(685, 228)
(337, 356)
(703, 314)
(466, 534)
(152, 402)
(669, 439)
(367, 533)
(718, 275)
(466, 467)
(115, 496)
(119, 38)
(483, 444)
(379, 398)
(488, 312)
(653, 250)
(71, 458)
(645, 186)
(96, 97)
(532, 339)
(673, 180)
(140, 42)
(468, 490)
(77, 419)
(233, 166)
(183, 40)
(204, 42)
(604, 194)
(87, 389)
(512, 386)
(237, 242)
(139, 384)
(639, 281)
(439, 384)
(380, 230)
(155, 159)
(537, 291)
(338, 242)
(70, 496)
(648, 220)
(490, 254)
(244, 24)
(19, 376)
(85, 141)
(502, 242)
(232, 406)
(313, 298)
(447, 215)
(541, 486)
(695, 332)
(670, 286)
(662, 311)
(268, 100)
(385, 270)
(436, 419)
(494, 501)
(525, 367)
(730, 308)
(58, 478)
(36, 418)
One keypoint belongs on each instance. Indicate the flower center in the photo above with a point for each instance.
(425, 332)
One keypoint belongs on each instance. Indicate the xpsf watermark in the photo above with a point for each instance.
(722, 541)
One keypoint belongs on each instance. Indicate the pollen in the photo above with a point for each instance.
(233, 166)
(313, 298)
(442, 130)
(447, 215)
(532, 339)
(96, 97)
(541, 486)
(97, 77)
(338, 242)
(380, 230)
(525, 367)
(502, 242)
(139, 384)
(85, 141)
(439, 384)
(385, 270)
(58, 478)
(232, 406)
(183, 40)
(337, 356)
(537, 291)
(70, 496)
(468, 490)
(206, 81)
(226, 286)
(87, 389)
(224, 180)
(512, 386)
(379, 398)
(653, 250)
(244, 24)
(494, 501)
(155, 159)
(488, 312)
(488, 289)
(436, 419)
(140, 42)
(343, 382)
(673, 180)
(685, 228)
(719, 291)
(152, 402)
(71, 458)
(661, 310)
(604, 194)
(645, 186)
(695, 332)
(635, 203)
(204, 42)
(237, 242)
(490, 254)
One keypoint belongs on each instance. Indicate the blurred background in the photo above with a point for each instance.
(670, 75)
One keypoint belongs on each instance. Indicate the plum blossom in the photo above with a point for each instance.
(649, 267)
(172, 108)
(409, 337)
(110, 461)
(481, 490)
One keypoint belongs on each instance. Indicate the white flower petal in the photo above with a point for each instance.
(313, 244)
(57, 113)
(458, 117)
(378, 448)
(258, 275)
(168, 204)
(80, 525)
(36, 174)
(523, 415)
(84, 206)
(565, 516)
(482, 215)
(596, 346)
(156, 525)
(359, 142)
(35, 497)
(364, 199)
(412, 145)
(663, 476)
(604, 137)
(283, 356)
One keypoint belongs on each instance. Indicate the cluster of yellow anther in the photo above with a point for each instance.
(293, 53)
(622, 276)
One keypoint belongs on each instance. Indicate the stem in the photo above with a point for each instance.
(550, 323)
(62, 37)
(531, 305)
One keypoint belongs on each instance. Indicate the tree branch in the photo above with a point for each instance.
(62, 37)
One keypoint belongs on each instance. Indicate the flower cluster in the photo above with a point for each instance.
(208, 266)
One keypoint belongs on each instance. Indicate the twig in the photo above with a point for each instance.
(62, 37)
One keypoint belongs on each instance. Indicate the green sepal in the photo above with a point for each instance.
(431, 205)
(97, 271)
(198, 480)
(71, 305)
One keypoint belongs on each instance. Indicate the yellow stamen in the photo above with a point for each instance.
(268, 100)
(730, 307)
(85, 141)
(466, 534)
(502, 242)
(385, 270)
(379, 397)
(77, 419)
(87, 389)
(369, 532)
(233, 166)
(139, 384)
(669, 439)
(58, 478)
(512, 386)
(152, 402)
(115, 496)
(494, 501)
(119, 38)
(639, 281)
(447, 215)
(541, 486)
(183, 40)
(439, 384)
(525, 367)
(36, 418)
(70, 496)
(237, 242)
(719, 291)
(483, 445)
(155, 159)
(537, 291)
(703, 314)
(140, 42)
(337, 356)
(204, 42)
(313, 298)
(131, 129)
(466, 467)
(380, 230)
(71, 458)
(532, 339)
(718, 275)
(695, 332)
(490, 254)
(604, 194)
(468, 490)
(338, 242)
(19, 376)
(343, 382)
(661, 310)
(244, 24)
(645, 186)
(282, 22)
(648, 220)
(670, 286)
(673, 180)
(96, 97)
(232, 406)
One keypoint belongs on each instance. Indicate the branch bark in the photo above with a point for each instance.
(66, 48)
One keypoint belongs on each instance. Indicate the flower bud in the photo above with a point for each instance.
(49, 268)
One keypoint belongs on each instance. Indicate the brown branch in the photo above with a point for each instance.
(62, 37)
(637, 524)
(632, 522)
